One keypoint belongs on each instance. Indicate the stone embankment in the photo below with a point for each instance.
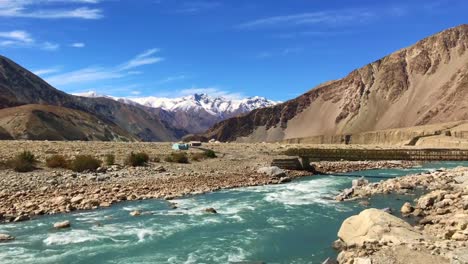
(440, 234)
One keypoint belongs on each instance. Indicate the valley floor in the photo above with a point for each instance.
(50, 191)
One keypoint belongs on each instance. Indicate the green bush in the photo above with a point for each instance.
(177, 157)
(23, 162)
(137, 160)
(110, 159)
(210, 154)
(57, 161)
(85, 163)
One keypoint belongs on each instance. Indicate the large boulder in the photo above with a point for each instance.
(376, 225)
(273, 172)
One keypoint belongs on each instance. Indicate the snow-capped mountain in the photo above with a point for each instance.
(194, 113)
(216, 106)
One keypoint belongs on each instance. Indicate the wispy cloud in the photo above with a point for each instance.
(95, 73)
(283, 52)
(172, 79)
(47, 9)
(78, 45)
(46, 71)
(50, 46)
(198, 6)
(144, 58)
(15, 37)
(20, 38)
(335, 17)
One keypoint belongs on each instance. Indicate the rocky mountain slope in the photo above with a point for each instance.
(426, 83)
(194, 113)
(101, 118)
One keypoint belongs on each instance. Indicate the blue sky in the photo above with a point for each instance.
(272, 48)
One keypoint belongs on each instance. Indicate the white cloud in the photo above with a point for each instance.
(144, 58)
(50, 46)
(94, 74)
(172, 79)
(337, 17)
(197, 6)
(46, 71)
(90, 74)
(20, 38)
(78, 45)
(46, 9)
(17, 35)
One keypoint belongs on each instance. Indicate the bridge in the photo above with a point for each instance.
(317, 154)
(308, 155)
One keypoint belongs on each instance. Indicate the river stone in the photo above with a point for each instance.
(407, 209)
(77, 199)
(460, 256)
(135, 213)
(374, 224)
(359, 182)
(5, 238)
(64, 224)
(362, 261)
(210, 210)
(273, 172)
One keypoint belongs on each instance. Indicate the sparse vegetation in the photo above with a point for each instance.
(57, 161)
(206, 154)
(137, 160)
(110, 159)
(210, 154)
(156, 159)
(177, 157)
(85, 163)
(23, 162)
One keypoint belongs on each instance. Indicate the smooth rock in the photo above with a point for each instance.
(64, 224)
(374, 224)
(5, 238)
(273, 172)
(407, 209)
(135, 213)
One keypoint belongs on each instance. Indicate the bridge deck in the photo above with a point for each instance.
(379, 154)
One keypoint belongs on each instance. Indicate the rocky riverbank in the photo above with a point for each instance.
(440, 234)
(51, 191)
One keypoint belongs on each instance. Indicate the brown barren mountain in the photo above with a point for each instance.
(100, 118)
(426, 83)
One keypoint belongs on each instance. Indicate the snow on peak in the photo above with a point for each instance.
(218, 106)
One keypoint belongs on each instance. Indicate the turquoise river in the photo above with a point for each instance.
(289, 223)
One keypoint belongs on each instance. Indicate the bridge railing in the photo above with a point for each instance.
(316, 154)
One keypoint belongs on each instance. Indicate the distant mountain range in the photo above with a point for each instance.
(30, 108)
(426, 83)
(194, 113)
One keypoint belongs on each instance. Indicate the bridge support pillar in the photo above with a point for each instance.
(305, 163)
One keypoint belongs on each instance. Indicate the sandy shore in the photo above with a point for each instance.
(50, 191)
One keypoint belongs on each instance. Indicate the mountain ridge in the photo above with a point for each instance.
(194, 113)
(421, 84)
(18, 87)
